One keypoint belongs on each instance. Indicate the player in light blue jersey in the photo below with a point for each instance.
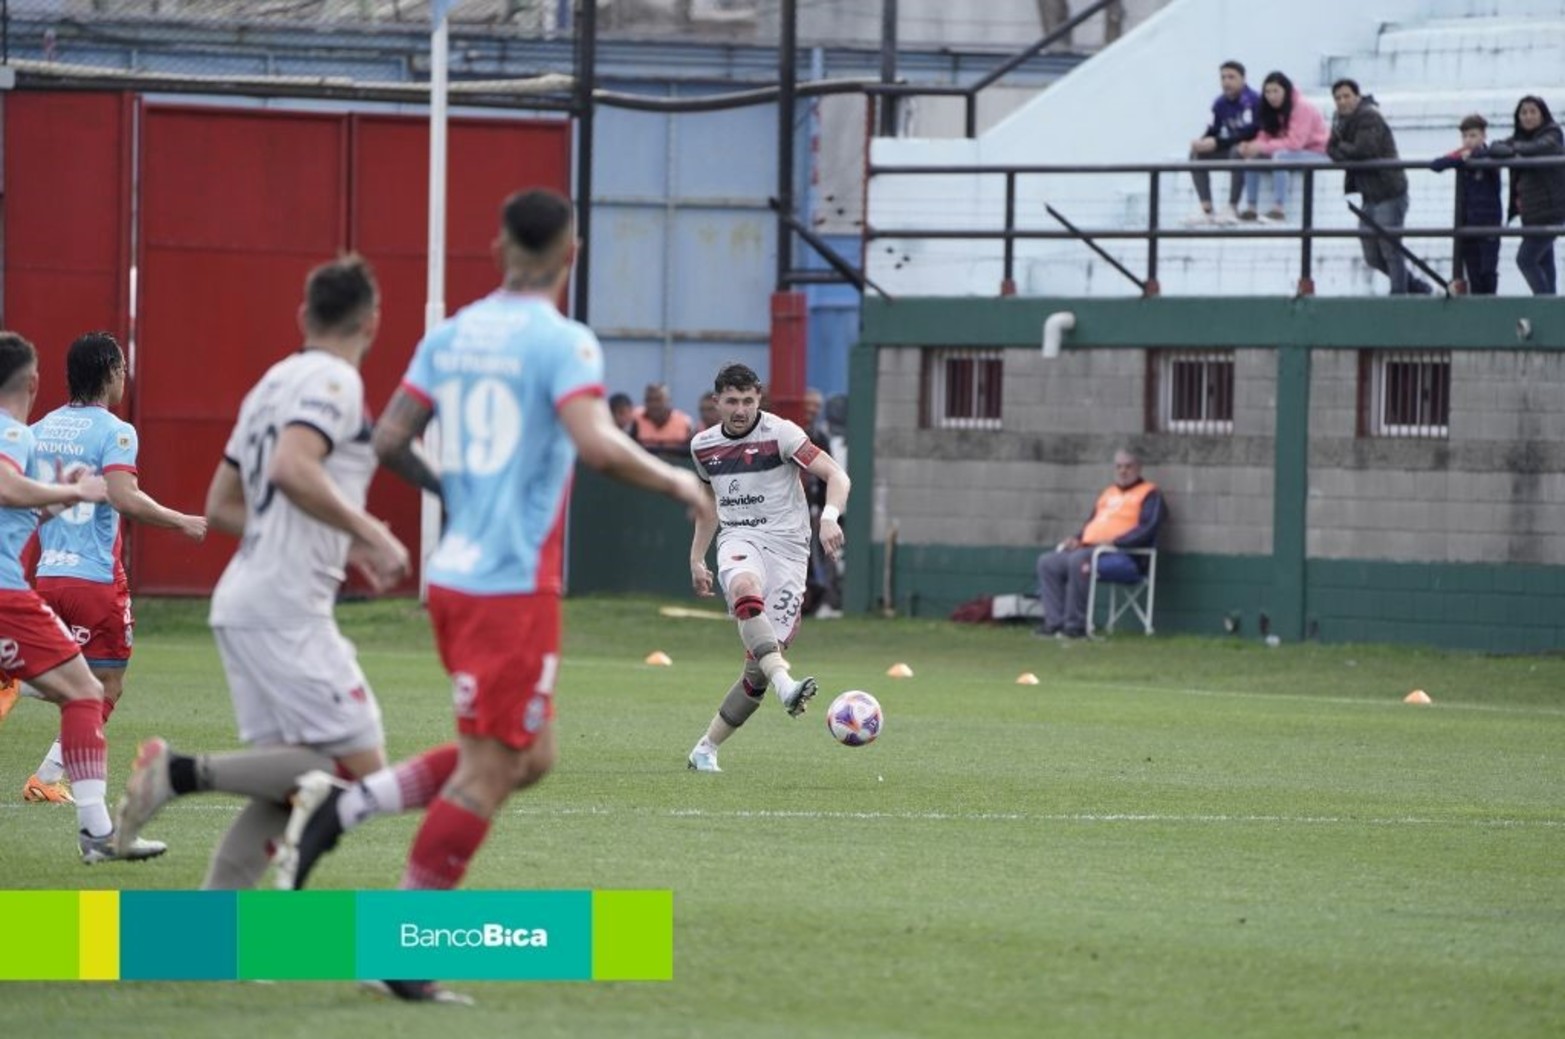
(518, 390)
(81, 569)
(34, 645)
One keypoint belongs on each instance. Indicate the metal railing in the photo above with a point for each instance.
(1306, 233)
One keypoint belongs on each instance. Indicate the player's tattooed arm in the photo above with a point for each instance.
(396, 441)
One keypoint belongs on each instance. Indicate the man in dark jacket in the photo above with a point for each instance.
(1537, 193)
(1479, 193)
(1234, 120)
(1358, 134)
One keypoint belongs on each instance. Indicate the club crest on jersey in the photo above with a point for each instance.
(14, 434)
(123, 440)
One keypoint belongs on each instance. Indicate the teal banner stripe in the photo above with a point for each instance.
(178, 936)
(475, 935)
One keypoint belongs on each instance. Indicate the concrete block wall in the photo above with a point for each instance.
(1034, 482)
(1491, 492)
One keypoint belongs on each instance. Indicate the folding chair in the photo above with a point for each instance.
(1124, 596)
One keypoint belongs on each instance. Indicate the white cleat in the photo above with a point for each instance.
(109, 848)
(796, 696)
(147, 790)
(703, 759)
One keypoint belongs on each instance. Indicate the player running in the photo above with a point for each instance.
(518, 390)
(34, 645)
(763, 544)
(81, 572)
(291, 484)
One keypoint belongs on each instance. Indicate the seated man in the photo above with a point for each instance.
(1127, 516)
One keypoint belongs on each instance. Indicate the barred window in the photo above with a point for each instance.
(1192, 391)
(1405, 393)
(961, 388)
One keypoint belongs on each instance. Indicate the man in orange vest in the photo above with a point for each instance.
(659, 426)
(1127, 515)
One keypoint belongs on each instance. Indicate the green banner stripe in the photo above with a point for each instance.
(296, 935)
(633, 936)
(39, 936)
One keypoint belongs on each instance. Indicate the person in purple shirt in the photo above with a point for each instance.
(1234, 121)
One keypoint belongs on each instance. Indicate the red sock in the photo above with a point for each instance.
(81, 740)
(446, 842)
(420, 779)
(108, 709)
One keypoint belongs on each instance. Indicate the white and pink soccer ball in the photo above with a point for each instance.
(854, 718)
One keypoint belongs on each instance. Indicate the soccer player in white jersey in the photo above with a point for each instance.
(518, 389)
(750, 461)
(81, 569)
(291, 485)
(34, 645)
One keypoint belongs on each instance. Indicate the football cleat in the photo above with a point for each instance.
(797, 697)
(312, 830)
(419, 992)
(703, 759)
(147, 790)
(39, 792)
(109, 848)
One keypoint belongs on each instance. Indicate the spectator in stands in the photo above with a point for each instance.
(659, 425)
(822, 593)
(1292, 130)
(1537, 194)
(624, 411)
(1480, 195)
(707, 410)
(1127, 515)
(1234, 120)
(1359, 134)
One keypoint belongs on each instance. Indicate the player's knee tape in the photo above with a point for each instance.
(758, 637)
(754, 679)
(748, 606)
(740, 703)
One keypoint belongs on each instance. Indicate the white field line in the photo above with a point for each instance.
(1081, 818)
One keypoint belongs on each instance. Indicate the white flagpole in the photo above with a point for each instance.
(435, 286)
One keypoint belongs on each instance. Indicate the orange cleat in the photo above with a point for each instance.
(10, 692)
(39, 792)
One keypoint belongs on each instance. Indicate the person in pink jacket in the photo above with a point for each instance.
(1292, 130)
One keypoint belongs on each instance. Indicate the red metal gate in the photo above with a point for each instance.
(235, 206)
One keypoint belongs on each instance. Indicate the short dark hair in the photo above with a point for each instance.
(736, 377)
(1237, 66)
(1351, 84)
(1474, 122)
(90, 365)
(621, 400)
(535, 219)
(339, 294)
(16, 354)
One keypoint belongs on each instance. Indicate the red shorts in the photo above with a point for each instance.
(96, 614)
(32, 639)
(502, 652)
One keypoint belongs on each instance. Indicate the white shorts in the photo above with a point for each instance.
(300, 685)
(782, 581)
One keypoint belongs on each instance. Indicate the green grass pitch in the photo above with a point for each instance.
(1166, 837)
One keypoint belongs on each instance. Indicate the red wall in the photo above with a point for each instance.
(236, 205)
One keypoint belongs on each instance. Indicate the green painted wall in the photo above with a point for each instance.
(624, 540)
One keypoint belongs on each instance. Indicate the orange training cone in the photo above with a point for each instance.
(658, 658)
(899, 671)
(1417, 696)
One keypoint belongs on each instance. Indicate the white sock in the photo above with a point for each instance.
(91, 813)
(53, 768)
(378, 793)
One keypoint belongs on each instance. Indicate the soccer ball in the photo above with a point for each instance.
(854, 718)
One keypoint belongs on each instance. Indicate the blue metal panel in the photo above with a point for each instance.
(627, 269)
(722, 270)
(727, 154)
(631, 154)
(834, 319)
